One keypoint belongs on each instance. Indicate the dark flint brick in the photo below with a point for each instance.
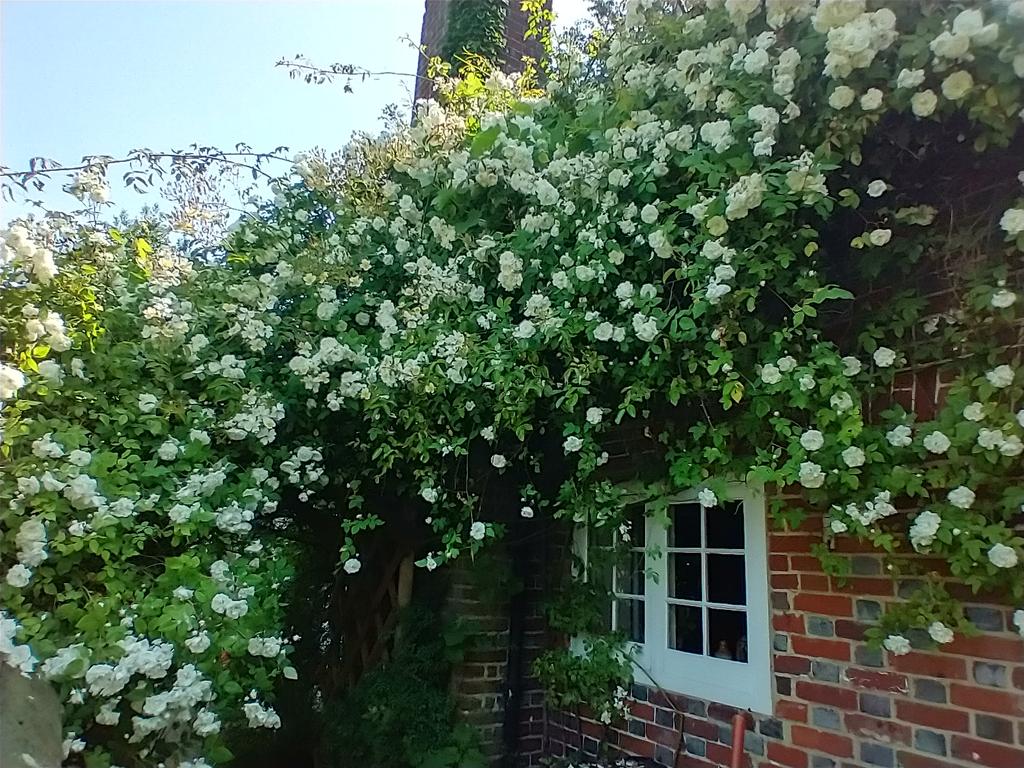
(696, 707)
(990, 619)
(919, 638)
(994, 728)
(695, 746)
(725, 734)
(930, 690)
(820, 627)
(823, 717)
(638, 692)
(784, 685)
(865, 566)
(825, 670)
(929, 741)
(867, 610)
(873, 704)
(907, 588)
(663, 755)
(876, 754)
(780, 601)
(780, 642)
(993, 675)
(753, 743)
(771, 728)
(638, 727)
(867, 656)
(665, 718)
(819, 761)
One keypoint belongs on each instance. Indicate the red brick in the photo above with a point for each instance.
(814, 582)
(634, 746)
(664, 736)
(942, 718)
(821, 648)
(876, 728)
(788, 756)
(828, 605)
(720, 754)
(866, 585)
(791, 710)
(805, 563)
(851, 630)
(792, 542)
(820, 741)
(692, 761)
(910, 760)
(641, 710)
(987, 700)
(987, 647)
(788, 622)
(700, 728)
(844, 698)
(987, 753)
(1018, 678)
(785, 581)
(930, 665)
(877, 680)
(792, 665)
(778, 563)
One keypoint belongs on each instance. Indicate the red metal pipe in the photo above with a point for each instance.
(739, 728)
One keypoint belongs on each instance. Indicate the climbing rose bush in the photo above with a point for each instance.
(704, 230)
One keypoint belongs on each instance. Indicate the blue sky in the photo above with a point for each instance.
(101, 77)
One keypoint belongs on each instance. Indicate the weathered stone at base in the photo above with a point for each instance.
(30, 722)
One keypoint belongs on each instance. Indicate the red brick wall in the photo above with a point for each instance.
(838, 702)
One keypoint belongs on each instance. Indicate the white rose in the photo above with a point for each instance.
(940, 633)
(786, 364)
(884, 357)
(851, 366)
(910, 78)
(1002, 556)
(770, 374)
(352, 565)
(877, 188)
(811, 475)
(148, 402)
(899, 436)
(1012, 221)
(841, 97)
(1018, 621)
(18, 576)
(937, 442)
(1012, 446)
(1000, 377)
(871, 100)
(974, 412)
(11, 380)
(897, 645)
(572, 444)
(706, 498)
(649, 214)
(957, 85)
(923, 103)
(594, 415)
(477, 531)
(961, 496)
(498, 461)
(1003, 298)
(838, 526)
(853, 456)
(526, 512)
(812, 440)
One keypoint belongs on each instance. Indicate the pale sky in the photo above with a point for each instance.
(107, 76)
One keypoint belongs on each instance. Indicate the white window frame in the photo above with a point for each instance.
(742, 685)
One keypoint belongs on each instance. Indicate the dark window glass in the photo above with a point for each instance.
(629, 578)
(727, 581)
(684, 576)
(727, 634)
(629, 619)
(637, 525)
(684, 531)
(725, 526)
(685, 628)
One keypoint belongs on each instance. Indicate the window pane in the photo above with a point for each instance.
(727, 634)
(684, 576)
(685, 528)
(637, 519)
(629, 619)
(727, 581)
(685, 628)
(629, 574)
(725, 526)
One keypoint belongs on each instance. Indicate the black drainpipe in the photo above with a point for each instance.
(518, 605)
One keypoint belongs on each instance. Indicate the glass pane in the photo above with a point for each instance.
(685, 628)
(685, 528)
(725, 526)
(727, 581)
(684, 576)
(637, 520)
(629, 619)
(727, 634)
(629, 574)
